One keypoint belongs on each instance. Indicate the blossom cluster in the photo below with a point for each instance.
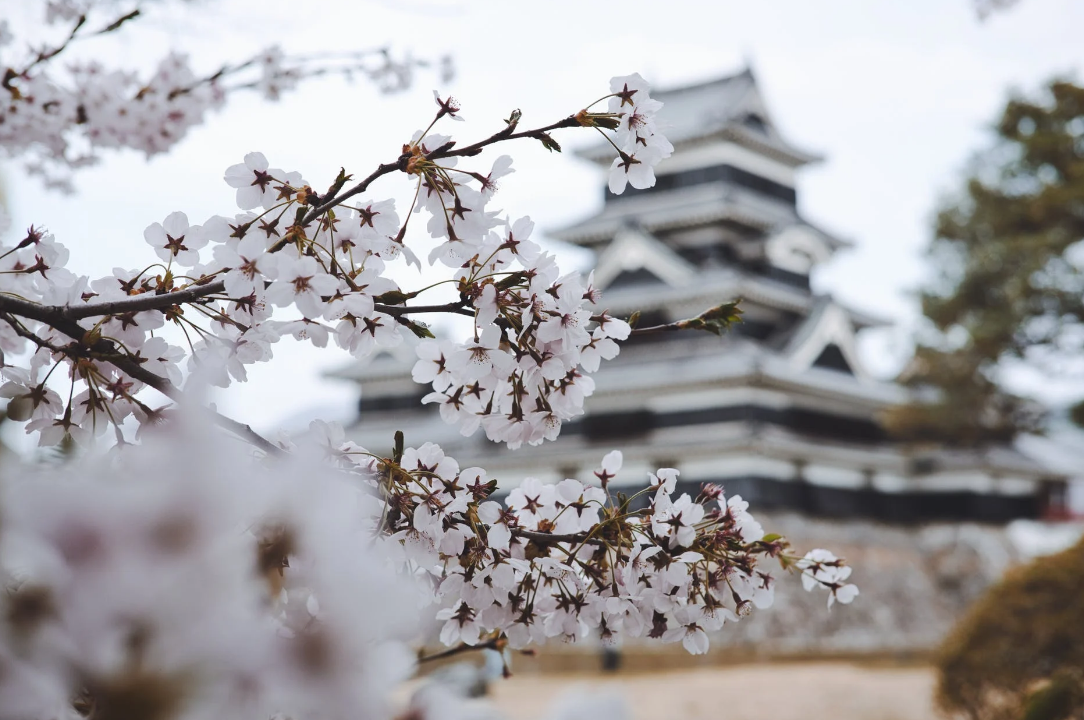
(526, 368)
(639, 142)
(313, 266)
(298, 612)
(574, 559)
(62, 119)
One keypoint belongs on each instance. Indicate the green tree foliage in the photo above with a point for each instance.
(1019, 652)
(1011, 276)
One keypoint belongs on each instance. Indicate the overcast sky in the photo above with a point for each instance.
(896, 96)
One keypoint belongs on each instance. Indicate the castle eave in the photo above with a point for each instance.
(676, 209)
(602, 154)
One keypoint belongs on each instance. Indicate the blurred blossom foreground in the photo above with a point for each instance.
(779, 411)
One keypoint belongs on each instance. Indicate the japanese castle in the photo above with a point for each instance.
(780, 410)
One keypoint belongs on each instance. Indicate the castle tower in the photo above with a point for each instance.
(780, 410)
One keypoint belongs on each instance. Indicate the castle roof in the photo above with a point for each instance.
(779, 408)
(730, 107)
(686, 207)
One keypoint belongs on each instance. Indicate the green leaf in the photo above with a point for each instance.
(418, 329)
(771, 537)
(634, 319)
(513, 119)
(716, 320)
(341, 179)
(392, 297)
(548, 142)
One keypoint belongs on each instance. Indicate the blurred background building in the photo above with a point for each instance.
(779, 411)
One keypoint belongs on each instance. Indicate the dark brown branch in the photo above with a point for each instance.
(655, 329)
(107, 351)
(45, 55)
(50, 313)
(550, 538)
(401, 165)
(357, 57)
(116, 24)
(139, 303)
(329, 203)
(164, 386)
(491, 644)
(64, 318)
(502, 135)
(457, 308)
(245, 432)
(47, 314)
(716, 320)
(21, 331)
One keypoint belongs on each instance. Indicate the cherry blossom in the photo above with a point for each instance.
(821, 568)
(300, 281)
(255, 185)
(99, 361)
(61, 113)
(175, 239)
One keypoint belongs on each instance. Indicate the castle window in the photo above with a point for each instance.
(755, 122)
(832, 358)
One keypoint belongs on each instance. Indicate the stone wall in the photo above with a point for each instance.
(914, 581)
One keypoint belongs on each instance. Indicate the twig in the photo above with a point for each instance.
(115, 25)
(64, 318)
(21, 331)
(457, 308)
(502, 135)
(549, 538)
(357, 57)
(329, 203)
(654, 329)
(106, 351)
(138, 303)
(490, 644)
(44, 55)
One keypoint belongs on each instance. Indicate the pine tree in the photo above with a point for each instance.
(1011, 277)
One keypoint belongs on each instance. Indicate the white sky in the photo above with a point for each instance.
(895, 95)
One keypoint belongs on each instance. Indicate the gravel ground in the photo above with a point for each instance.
(770, 691)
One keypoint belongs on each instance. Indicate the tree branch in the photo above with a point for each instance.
(502, 135)
(329, 203)
(107, 351)
(469, 150)
(655, 329)
(716, 320)
(50, 313)
(550, 538)
(490, 644)
(397, 310)
(65, 319)
(139, 303)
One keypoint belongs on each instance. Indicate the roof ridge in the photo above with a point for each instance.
(726, 79)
